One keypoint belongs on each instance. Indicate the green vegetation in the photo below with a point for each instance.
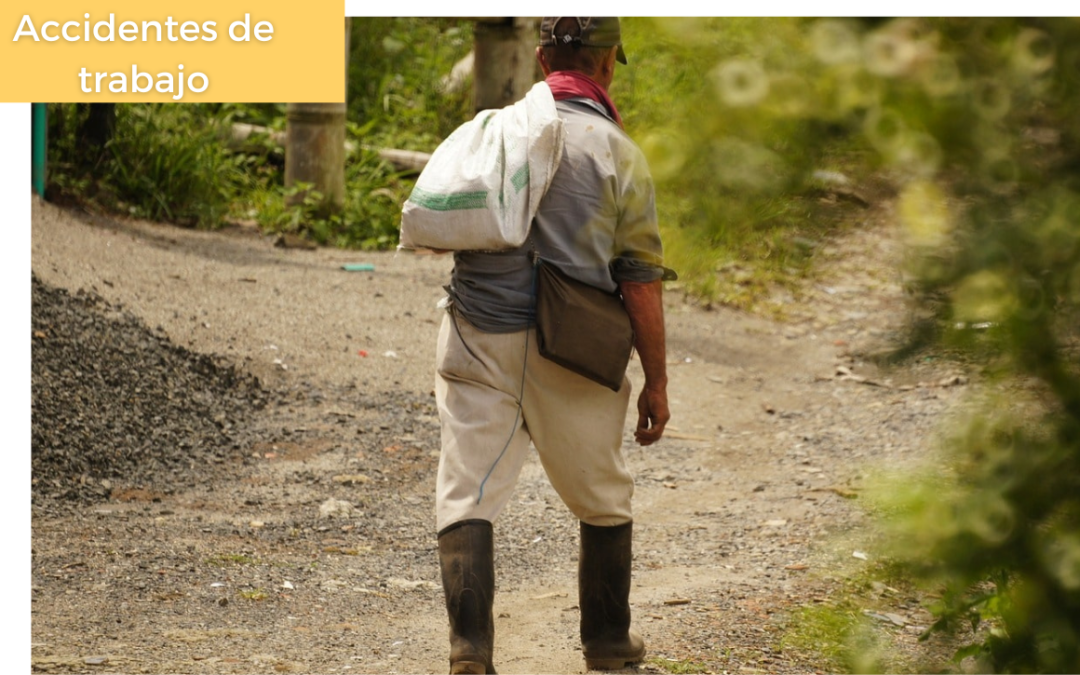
(677, 667)
(994, 236)
(731, 231)
(253, 594)
(232, 560)
(163, 162)
(853, 632)
(824, 630)
(171, 162)
(394, 80)
(733, 118)
(973, 122)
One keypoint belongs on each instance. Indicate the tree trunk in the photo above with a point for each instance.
(97, 129)
(505, 62)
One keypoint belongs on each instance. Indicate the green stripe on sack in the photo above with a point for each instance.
(520, 178)
(454, 201)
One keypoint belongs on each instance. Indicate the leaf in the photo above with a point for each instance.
(968, 650)
(940, 625)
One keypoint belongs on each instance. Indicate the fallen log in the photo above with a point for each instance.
(404, 160)
(242, 135)
(459, 74)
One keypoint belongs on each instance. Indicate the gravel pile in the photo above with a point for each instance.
(116, 407)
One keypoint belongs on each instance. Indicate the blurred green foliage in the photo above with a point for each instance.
(974, 122)
(996, 259)
(736, 115)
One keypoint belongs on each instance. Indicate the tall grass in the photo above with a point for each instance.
(395, 72)
(164, 162)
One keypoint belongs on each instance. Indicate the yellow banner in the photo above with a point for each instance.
(196, 51)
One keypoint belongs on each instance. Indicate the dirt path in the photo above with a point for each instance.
(741, 515)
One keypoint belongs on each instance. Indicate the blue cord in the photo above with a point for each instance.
(520, 398)
(517, 416)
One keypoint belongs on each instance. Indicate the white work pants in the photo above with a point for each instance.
(575, 424)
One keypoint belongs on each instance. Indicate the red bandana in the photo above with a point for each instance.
(566, 84)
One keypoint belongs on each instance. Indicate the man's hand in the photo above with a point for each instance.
(645, 305)
(653, 415)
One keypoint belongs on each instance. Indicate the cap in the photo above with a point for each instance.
(596, 31)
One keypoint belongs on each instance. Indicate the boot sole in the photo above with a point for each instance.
(469, 668)
(613, 663)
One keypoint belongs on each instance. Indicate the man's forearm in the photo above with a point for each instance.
(645, 304)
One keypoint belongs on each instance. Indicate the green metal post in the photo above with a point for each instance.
(38, 146)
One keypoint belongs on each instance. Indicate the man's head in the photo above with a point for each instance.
(586, 44)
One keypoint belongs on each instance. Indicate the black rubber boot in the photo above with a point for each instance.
(467, 561)
(604, 597)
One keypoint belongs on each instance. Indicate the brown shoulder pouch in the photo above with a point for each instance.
(582, 328)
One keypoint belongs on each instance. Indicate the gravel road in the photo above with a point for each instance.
(234, 448)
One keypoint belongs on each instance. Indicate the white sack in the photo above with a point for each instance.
(482, 186)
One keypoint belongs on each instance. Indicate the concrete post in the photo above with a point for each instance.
(505, 64)
(315, 151)
(315, 146)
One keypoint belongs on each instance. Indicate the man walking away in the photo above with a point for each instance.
(597, 224)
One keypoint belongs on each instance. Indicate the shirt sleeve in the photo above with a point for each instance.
(639, 254)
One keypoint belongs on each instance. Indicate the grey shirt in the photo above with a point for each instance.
(597, 223)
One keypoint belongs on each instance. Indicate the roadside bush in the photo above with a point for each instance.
(370, 219)
(395, 72)
(976, 121)
(997, 263)
(163, 162)
(168, 163)
(973, 122)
